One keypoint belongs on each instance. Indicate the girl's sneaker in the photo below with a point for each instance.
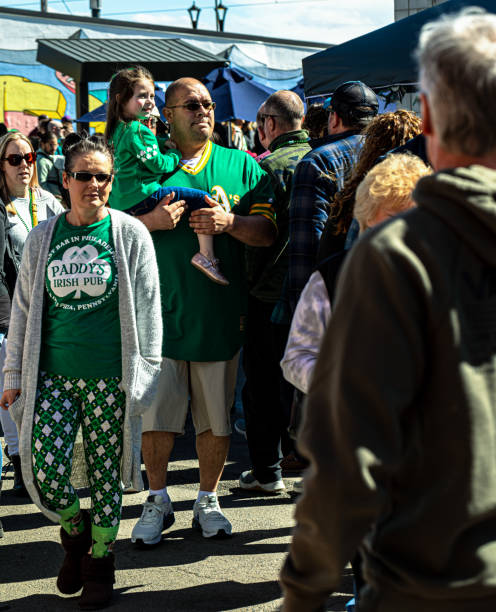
(209, 267)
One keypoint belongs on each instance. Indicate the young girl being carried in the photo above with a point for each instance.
(139, 162)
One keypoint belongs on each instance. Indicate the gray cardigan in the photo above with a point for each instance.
(141, 335)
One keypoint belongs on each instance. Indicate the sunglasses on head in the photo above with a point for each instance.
(208, 105)
(85, 177)
(15, 159)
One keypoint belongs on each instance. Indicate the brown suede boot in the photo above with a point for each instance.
(70, 579)
(98, 580)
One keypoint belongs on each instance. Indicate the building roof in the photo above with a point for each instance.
(97, 59)
(189, 32)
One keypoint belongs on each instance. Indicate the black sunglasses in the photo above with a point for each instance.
(85, 177)
(15, 159)
(208, 105)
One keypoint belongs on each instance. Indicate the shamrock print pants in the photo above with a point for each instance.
(62, 404)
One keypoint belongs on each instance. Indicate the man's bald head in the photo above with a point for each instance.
(286, 107)
(176, 86)
(188, 109)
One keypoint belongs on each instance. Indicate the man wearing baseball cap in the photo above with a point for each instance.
(318, 177)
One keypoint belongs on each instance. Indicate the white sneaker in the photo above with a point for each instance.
(157, 515)
(128, 488)
(248, 481)
(298, 486)
(209, 519)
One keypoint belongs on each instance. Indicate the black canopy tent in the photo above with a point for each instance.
(380, 59)
(97, 59)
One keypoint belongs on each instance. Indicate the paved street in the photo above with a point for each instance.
(185, 572)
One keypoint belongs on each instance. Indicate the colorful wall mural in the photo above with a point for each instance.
(22, 100)
(27, 91)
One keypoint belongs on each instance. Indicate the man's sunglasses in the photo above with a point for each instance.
(15, 159)
(208, 105)
(85, 177)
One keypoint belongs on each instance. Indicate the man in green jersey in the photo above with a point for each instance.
(203, 321)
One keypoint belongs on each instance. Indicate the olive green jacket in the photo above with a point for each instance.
(267, 267)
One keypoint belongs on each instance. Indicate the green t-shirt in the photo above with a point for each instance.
(138, 164)
(81, 334)
(204, 321)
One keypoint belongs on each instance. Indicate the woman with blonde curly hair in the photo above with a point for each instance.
(384, 133)
(387, 189)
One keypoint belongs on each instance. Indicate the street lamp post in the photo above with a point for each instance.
(194, 13)
(96, 8)
(220, 15)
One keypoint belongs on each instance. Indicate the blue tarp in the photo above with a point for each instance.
(299, 89)
(379, 59)
(236, 93)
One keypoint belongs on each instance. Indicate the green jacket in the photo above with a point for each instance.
(139, 164)
(267, 266)
(400, 425)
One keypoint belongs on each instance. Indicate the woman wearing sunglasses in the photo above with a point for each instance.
(84, 349)
(23, 204)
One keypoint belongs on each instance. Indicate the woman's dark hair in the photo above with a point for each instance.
(70, 140)
(120, 91)
(316, 120)
(84, 145)
(98, 137)
(43, 126)
(46, 137)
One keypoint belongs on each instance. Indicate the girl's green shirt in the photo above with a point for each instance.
(139, 164)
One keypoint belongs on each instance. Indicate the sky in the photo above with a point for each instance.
(326, 21)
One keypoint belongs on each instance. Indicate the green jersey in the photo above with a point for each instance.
(204, 321)
(81, 334)
(138, 164)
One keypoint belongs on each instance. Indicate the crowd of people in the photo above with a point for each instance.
(185, 262)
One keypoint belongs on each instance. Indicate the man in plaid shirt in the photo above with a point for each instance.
(317, 178)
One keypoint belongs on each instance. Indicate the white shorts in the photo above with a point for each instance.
(210, 385)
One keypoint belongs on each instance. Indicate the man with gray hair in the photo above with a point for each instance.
(400, 426)
(266, 395)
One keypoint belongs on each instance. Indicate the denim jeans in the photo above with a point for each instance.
(194, 198)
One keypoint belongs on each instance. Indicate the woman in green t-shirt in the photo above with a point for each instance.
(90, 357)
